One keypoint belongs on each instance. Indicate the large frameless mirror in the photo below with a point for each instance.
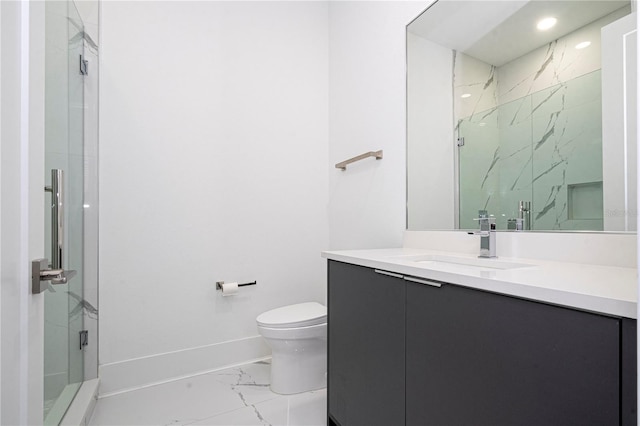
(525, 109)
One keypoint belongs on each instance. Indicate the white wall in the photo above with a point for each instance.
(367, 112)
(430, 126)
(22, 217)
(619, 129)
(213, 166)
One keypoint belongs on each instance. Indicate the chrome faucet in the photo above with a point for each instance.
(487, 234)
(523, 221)
(524, 215)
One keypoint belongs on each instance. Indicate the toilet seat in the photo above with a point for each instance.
(292, 316)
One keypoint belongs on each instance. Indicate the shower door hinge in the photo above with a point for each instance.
(460, 141)
(84, 66)
(84, 338)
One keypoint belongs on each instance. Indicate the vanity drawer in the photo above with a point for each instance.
(366, 320)
(481, 358)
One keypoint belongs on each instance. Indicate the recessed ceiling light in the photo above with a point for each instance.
(546, 23)
(482, 124)
(583, 45)
(466, 95)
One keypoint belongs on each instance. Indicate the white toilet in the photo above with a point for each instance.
(297, 335)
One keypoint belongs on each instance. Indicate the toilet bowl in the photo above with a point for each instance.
(297, 336)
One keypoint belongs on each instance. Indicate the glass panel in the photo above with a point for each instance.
(64, 98)
(545, 148)
(567, 152)
(90, 206)
(479, 176)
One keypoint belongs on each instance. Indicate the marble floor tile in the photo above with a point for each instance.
(250, 382)
(306, 409)
(235, 396)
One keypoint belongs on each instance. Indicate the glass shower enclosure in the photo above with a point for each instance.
(70, 132)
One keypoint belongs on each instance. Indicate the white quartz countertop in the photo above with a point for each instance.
(603, 289)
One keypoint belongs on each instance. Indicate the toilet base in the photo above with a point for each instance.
(293, 372)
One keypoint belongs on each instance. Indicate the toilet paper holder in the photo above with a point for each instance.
(219, 284)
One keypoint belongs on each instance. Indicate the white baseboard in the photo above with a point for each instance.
(136, 373)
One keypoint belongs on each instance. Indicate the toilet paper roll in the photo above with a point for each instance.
(229, 289)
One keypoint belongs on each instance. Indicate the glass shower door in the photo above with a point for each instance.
(64, 129)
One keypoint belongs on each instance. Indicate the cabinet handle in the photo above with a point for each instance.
(423, 281)
(391, 274)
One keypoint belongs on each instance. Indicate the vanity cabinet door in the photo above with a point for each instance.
(478, 358)
(366, 319)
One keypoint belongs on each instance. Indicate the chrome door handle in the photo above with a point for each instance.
(57, 217)
(41, 274)
(63, 276)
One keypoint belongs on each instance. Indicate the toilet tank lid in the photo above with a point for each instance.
(299, 315)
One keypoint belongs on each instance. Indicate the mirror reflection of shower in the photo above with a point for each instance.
(545, 148)
(542, 116)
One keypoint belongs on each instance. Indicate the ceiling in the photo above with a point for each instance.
(498, 32)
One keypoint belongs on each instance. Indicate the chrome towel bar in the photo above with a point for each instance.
(343, 165)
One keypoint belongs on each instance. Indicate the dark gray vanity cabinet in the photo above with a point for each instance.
(366, 313)
(403, 353)
(478, 358)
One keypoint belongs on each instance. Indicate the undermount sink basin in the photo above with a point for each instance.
(474, 262)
